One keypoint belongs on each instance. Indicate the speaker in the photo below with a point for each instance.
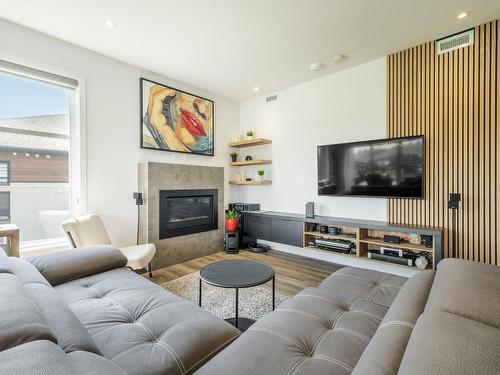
(392, 239)
(426, 240)
(138, 199)
(310, 210)
(453, 200)
(232, 243)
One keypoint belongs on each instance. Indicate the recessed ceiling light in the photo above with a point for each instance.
(314, 67)
(111, 23)
(256, 88)
(462, 15)
(338, 59)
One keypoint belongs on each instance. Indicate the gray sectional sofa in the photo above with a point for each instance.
(369, 323)
(83, 312)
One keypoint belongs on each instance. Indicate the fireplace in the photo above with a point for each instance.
(185, 212)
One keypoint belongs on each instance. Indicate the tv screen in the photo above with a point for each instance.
(381, 168)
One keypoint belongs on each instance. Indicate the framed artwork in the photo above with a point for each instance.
(174, 120)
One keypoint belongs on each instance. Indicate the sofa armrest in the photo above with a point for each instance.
(74, 264)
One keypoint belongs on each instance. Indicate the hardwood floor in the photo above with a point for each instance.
(292, 273)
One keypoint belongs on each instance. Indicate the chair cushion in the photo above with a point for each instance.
(88, 230)
(138, 256)
(319, 331)
(142, 327)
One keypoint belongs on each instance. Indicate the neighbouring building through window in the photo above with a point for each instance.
(35, 189)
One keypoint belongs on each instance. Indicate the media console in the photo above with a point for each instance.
(366, 235)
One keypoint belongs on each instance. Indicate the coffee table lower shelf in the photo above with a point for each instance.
(243, 323)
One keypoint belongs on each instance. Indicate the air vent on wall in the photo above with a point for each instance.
(271, 98)
(456, 41)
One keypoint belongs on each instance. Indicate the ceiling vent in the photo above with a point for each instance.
(271, 98)
(456, 41)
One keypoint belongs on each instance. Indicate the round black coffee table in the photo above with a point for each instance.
(237, 274)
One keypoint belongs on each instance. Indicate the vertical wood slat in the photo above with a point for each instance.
(453, 100)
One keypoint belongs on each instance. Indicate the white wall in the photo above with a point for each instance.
(343, 107)
(112, 121)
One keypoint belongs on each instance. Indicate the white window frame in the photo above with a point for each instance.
(78, 140)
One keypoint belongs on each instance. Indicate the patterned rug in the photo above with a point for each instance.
(254, 302)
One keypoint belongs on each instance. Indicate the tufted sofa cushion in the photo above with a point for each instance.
(376, 287)
(321, 330)
(20, 318)
(143, 328)
(385, 351)
(459, 330)
(46, 358)
(64, 325)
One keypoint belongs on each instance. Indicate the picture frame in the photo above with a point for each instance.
(174, 120)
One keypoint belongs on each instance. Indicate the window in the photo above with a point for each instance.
(37, 176)
(4, 173)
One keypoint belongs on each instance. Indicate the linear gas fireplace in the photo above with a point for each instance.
(185, 212)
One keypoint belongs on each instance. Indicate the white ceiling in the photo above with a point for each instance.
(230, 46)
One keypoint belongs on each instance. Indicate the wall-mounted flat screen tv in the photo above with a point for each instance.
(391, 168)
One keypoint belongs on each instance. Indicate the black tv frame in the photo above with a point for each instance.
(422, 197)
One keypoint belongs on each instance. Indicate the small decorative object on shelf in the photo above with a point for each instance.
(261, 172)
(415, 239)
(333, 230)
(232, 221)
(421, 262)
(248, 158)
(236, 138)
(249, 135)
(248, 179)
(234, 157)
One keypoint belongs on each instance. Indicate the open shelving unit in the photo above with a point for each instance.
(366, 239)
(244, 163)
(298, 233)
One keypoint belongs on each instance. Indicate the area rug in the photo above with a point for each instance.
(254, 302)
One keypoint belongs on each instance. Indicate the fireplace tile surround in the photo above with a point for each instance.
(154, 177)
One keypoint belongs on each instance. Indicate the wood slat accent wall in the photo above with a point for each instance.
(453, 100)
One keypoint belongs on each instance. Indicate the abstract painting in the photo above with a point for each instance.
(174, 120)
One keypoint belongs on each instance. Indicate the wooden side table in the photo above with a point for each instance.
(11, 232)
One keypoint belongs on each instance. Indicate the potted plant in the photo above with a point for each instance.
(261, 172)
(234, 156)
(249, 135)
(232, 220)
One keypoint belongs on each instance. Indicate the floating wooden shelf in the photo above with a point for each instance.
(331, 236)
(403, 245)
(249, 162)
(251, 142)
(252, 182)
